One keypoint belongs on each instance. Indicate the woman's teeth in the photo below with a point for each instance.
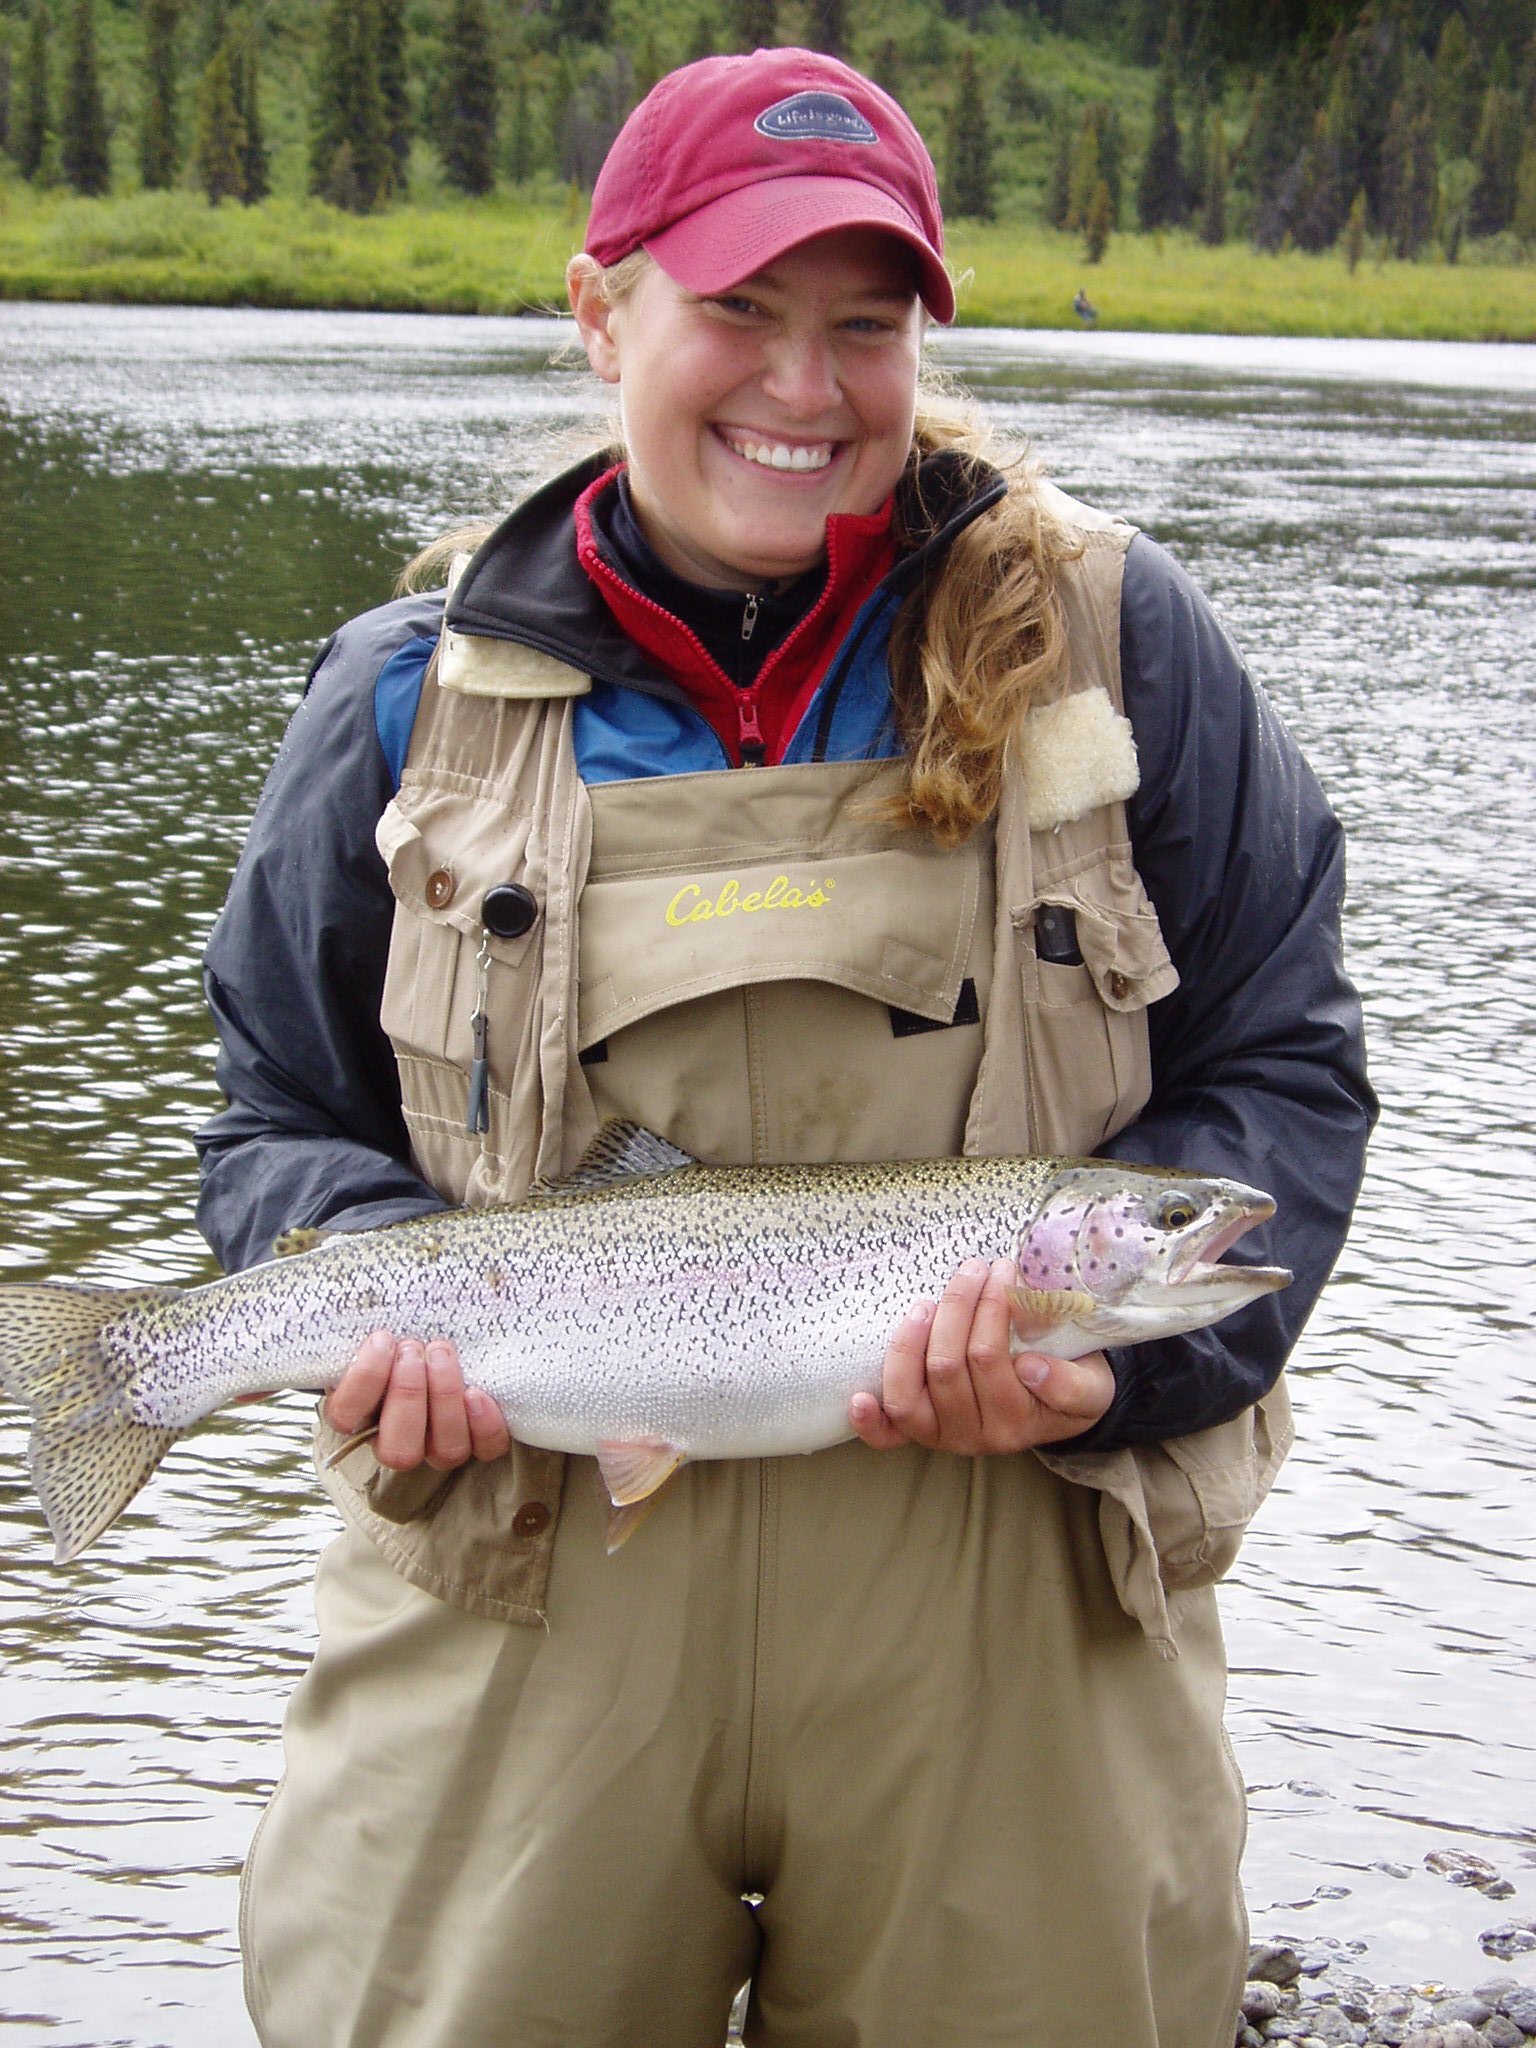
(775, 455)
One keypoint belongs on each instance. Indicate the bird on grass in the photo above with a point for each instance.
(1084, 307)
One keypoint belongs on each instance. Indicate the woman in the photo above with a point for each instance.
(928, 1744)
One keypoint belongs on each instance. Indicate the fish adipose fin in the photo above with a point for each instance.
(89, 1455)
(633, 1475)
(621, 1151)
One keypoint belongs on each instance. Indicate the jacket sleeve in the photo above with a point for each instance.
(294, 972)
(1258, 1058)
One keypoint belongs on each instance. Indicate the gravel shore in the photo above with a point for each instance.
(1306, 1994)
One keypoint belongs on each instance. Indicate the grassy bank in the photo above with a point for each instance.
(507, 255)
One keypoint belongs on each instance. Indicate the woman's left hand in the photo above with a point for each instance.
(951, 1383)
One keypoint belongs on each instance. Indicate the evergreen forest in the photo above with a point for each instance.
(1402, 129)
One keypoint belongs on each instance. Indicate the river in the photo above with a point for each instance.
(189, 501)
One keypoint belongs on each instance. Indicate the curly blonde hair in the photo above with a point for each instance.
(973, 646)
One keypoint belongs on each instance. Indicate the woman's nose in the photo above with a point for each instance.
(802, 375)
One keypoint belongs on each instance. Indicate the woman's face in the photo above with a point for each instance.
(751, 416)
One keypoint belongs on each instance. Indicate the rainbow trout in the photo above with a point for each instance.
(646, 1311)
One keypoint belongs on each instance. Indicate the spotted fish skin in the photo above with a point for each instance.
(708, 1312)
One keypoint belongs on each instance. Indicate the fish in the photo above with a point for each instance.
(646, 1310)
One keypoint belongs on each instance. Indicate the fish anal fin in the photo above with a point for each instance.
(1037, 1311)
(623, 1522)
(621, 1151)
(633, 1471)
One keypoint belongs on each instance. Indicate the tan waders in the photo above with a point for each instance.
(955, 1722)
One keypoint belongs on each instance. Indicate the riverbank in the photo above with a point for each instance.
(507, 255)
(1307, 1995)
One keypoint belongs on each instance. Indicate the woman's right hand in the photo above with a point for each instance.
(415, 1394)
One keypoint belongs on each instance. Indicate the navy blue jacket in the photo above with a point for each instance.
(1257, 1057)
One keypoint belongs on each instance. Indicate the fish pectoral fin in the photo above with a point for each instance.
(1037, 1311)
(634, 1471)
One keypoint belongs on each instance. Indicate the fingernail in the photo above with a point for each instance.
(1034, 1370)
(921, 1312)
(1002, 1269)
(975, 1268)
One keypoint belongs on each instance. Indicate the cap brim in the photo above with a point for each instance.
(742, 232)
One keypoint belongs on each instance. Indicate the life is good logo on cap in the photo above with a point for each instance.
(815, 117)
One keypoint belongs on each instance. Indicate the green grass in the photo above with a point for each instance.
(507, 255)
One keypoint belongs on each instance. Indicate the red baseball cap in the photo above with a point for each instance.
(728, 162)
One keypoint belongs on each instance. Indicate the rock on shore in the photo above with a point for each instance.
(1298, 1994)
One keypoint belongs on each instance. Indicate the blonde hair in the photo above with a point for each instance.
(972, 647)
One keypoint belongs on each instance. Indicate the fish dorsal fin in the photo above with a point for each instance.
(620, 1151)
(1038, 1310)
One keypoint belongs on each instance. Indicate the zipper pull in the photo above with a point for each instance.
(753, 746)
(749, 615)
(478, 1117)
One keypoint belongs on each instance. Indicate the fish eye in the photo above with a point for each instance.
(1175, 1212)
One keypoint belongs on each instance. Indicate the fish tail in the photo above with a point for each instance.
(89, 1454)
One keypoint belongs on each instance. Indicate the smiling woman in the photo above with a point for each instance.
(921, 1732)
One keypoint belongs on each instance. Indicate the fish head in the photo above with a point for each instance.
(1125, 1253)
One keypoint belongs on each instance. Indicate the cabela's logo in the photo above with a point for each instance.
(814, 117)
(691, 906)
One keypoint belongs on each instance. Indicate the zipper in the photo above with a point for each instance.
(749, 615)
(754, 748)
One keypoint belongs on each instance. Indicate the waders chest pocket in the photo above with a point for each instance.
(1092, 958)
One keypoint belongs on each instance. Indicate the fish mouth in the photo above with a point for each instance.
(1197, 1262)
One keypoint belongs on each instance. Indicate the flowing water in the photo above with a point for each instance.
(189, 501)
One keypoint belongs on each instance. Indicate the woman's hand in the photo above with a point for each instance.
(416, 1394)
(950, 1382)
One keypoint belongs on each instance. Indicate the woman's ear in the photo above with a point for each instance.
(584, 284)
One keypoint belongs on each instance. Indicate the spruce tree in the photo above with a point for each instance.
(218, 145)
(159, 141)
(5, 88)
(1058, 186)
(255, 171)
(1196, 158)
(1496, 153)
(1213, 206)
(1097, 223)
(83, 114)
(394, 89)
(1524, 222)
(582, 21)
(520, 145)
(1354, 232)
(1112, 156)
(1086, 177)
(702, 42)
(829, 26)
(1456, 93)
(885, 69)
(34, 125)
(1418, 190)
(466, 111)
(349, 154)
(755, 24)
(1160, 195)
(969, 186)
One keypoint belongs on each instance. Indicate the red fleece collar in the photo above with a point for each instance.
(860, 551)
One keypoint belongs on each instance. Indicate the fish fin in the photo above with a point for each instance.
(633, 1471)
(303, 1237)
(354, 1442)
(1039, 1310)
(621, 1151)
(623, 1522)
(89, 1454)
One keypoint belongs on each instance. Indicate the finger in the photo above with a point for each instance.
(872, 1425)
(948, 1361)
(488, 1430)
(355, 1398)
(402, 1439)
(904, 1378)
(1010, 1414)
(448, 1437)
(1072, 1393)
